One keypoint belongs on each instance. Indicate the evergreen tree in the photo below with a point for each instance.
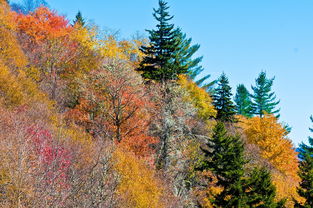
(306, 172)
(224, 157)
(243, 101)
(158, 61)
(79, 19)
(260, 191)
(170, 52)
(222, 100)
(263, 100)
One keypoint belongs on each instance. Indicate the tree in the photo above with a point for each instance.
(270, 138)
(243, 101)
(44, 36)
(11, 53)
(263, 100)
(222, 100)
(260, 191)
(306, 172)
(79, 19)
(138, 185)
(114, 105)
(224, 157)
(158, 63)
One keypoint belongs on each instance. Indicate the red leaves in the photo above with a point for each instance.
(55, 159)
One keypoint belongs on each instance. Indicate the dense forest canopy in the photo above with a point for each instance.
(92, 120)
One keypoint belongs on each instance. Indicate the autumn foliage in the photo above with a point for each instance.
(80, 127)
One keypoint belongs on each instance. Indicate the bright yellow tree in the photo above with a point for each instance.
(138, 187)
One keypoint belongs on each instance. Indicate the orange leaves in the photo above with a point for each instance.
(43, 24)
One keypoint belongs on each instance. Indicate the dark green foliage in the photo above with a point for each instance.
(222, 100)
(306, 172)
(170, 52)
(224, 157)
(79, 19)
(243, 101)
(263, 100)
(158, 61)
(260, 191)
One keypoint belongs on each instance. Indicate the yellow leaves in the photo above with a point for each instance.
(286, 188)
(11, 52)
(86, 37)
(125, 50)
(138, 186)
(112, 49)
(201, 100)
(270, 137)
(10, 90)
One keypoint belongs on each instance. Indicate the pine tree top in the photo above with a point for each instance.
(264, 100)
(223, 100)
(79, 19)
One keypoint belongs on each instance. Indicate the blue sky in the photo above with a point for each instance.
(241, 38)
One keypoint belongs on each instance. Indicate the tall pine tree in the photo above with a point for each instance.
(243, 101)
(263, 99)
(158, 61)
(222, 100)
(224, 157)
(170, 52)
(306, 173)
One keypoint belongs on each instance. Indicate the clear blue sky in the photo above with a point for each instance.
(239, 37)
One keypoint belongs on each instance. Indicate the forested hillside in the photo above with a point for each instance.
(92, 120)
